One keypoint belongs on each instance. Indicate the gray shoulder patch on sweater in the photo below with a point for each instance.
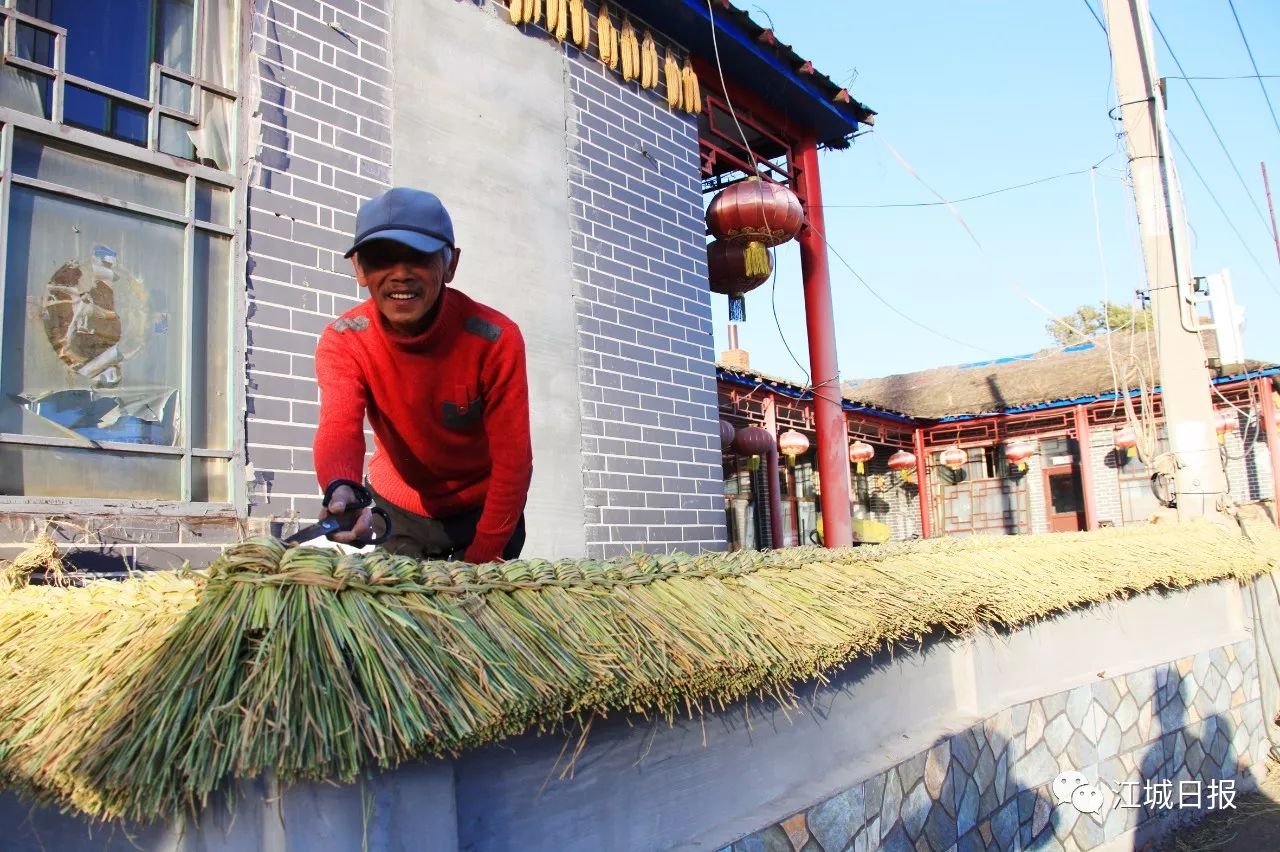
(354, 324)
(481, 327)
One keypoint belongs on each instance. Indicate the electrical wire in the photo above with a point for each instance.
(1254, 63)
(1017, 288)
(1089, 6)
(1212, 126)
(1212, 195)
(809, 385)
(973, 197)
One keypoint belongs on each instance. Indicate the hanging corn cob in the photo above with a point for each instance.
(532, 11)
(515, 8)
(556, 13)
(692, 91)
(648, 62)
(608, 34)
(675, 86)
(630, 47)
(579, 24)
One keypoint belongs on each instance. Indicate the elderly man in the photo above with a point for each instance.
(441, 378)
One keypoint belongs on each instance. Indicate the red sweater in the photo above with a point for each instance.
(449, 410)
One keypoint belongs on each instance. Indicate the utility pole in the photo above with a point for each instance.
(1266, 184)
(1184, 379)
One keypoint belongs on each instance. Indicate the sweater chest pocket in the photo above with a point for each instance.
(464, 412)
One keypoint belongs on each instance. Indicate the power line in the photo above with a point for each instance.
(1228, 77)
(1089, 6)
(1223, 211)
(974, 197)
(887, 304)
(1254, 63)
(1212, 126)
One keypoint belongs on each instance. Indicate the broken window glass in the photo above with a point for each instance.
(92, 299)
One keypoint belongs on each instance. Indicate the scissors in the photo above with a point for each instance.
(331, 525)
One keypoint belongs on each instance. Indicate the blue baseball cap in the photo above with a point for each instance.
(413, 217)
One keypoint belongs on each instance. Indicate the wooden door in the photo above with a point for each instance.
(1064, 499)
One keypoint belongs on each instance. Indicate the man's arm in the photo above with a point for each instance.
(506, 424)
(344, 393)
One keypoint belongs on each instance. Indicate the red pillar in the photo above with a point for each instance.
(1273, 440)
(1086, 467)
(828, 415)
(922, 482)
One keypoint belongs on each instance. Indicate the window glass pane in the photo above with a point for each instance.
(25, 91)
(64, 472)
(68, 166)
(107, 40)
(218, 51)
(1063, 494)
(211, 342)
(33, 44)
(174, 33)
(92, 299)
(213, 203)
(175, 138)
(211, 480)
(175, 93)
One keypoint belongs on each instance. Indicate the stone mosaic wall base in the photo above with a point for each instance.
(1196, 720)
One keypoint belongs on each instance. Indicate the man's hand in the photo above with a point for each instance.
(359, 521)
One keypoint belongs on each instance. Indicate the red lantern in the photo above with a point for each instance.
(727, 269)
(726, 434)
(1018, 453)
(1125, 439)
(902, 460)
(792, 444)
(758, 213)
(904, 463)
(860, 452)
(1224, 422)
(953, 458)
(753, 441)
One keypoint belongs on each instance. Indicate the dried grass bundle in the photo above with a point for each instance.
(142, 698)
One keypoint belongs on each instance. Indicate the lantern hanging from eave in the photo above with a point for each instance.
(860, 452)
(728, 275)
(757, 213)
(1018, 452)
(791, 444)
(753, 441)
(1224, 422)
(727, 432)
(953, 458)
(1126, 439)
(903, 463)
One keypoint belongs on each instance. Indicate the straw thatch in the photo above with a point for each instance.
(142, 698)
(1052, 375)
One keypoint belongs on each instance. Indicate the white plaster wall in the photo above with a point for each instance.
(479, 119)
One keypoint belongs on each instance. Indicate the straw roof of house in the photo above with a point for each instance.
(145, 698)
(1051, 375)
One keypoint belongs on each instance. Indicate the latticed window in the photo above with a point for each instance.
(117, 141)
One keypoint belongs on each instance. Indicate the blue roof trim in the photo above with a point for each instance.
(1104, 397)
(700, 8)
(793, 393)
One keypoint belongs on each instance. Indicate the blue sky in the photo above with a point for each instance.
(984, 94)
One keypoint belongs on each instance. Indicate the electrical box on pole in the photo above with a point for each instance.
(1199, 481)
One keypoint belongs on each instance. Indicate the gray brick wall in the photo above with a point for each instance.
(320, 144)
(1106, 476)
(891, 500)
(651, 447)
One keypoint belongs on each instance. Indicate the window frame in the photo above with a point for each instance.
(191, 172)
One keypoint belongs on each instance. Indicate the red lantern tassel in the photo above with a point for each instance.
(755, 259)
(861, 469)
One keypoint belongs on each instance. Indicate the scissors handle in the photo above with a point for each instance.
(375, 538)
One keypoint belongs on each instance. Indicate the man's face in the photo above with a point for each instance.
(403, 283)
